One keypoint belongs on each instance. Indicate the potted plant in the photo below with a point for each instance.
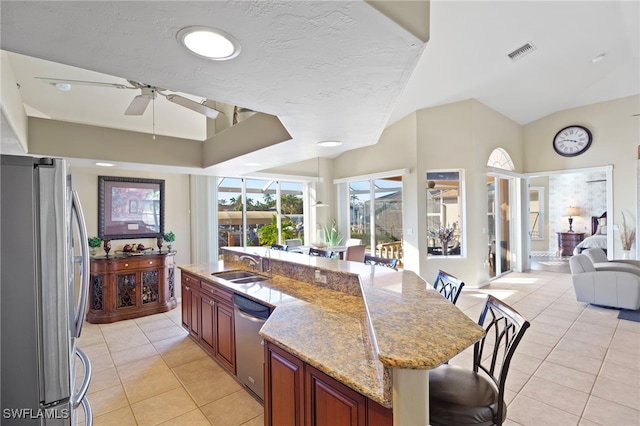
(94, 244)
(627, 238)
(331, 235)
(169, 238)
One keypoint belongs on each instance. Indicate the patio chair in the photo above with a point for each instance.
(355, 253)
(320, 253)
(381, 261)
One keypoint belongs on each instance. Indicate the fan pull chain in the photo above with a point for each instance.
(154, 115)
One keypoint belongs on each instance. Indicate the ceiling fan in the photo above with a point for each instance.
(139, 104)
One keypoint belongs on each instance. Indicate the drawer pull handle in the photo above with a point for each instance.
(151, 262)
(187, 288)
(126, 264)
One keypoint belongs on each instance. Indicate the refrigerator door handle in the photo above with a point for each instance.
(84, 267)
(77, 399)
(88, 414)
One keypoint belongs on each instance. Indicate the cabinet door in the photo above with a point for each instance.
(127, 290)
(190, 310)
(330, 403)
(186, 306)
(207, 334)
(225, 342)
(194, 324)
(284, 392)
(97, 293)
(150, 287)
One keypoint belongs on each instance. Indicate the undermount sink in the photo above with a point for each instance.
(240, 277)
(251, 279)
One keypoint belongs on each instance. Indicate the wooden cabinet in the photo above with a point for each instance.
(207, 313)
(284, 392)
(225, 340)
(567, 241)
(330, 403)
(191, 305)
(298, 394)
(130, 287)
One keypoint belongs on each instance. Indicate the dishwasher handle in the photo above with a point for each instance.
(249, 317)
(251, 307)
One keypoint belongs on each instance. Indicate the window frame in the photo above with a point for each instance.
(461, 208)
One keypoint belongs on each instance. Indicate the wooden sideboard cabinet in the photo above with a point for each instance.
(567, 241)
(130, 287)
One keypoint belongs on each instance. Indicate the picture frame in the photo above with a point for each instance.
(130, 208)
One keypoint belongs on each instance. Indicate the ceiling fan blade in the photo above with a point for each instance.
(55, 81)
(138, 105)
(193, 105)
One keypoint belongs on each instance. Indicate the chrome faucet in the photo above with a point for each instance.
(252, 262)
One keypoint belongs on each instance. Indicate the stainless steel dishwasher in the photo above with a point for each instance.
(249, 317)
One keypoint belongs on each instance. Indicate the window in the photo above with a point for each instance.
(444, 212)
(379, 223)
(258, 212)
(536, 212)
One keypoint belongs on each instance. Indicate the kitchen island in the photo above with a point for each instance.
(375, 330)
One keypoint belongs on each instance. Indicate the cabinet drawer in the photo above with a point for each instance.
(123, 265)
(208, 288)
(216, 291)
(149, 263)
(190, 281)
(224, 295)
(99, 267)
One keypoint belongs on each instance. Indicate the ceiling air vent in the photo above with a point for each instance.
(521, 51)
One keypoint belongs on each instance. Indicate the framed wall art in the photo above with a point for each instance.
(130, 208)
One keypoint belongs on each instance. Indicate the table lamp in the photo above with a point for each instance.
(571, 211)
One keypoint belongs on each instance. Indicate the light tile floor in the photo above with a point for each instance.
(577, 365)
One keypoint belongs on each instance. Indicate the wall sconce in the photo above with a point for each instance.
(571, 211)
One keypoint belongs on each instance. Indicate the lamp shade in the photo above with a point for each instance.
(572, 211)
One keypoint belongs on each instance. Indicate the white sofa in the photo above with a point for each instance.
(601, 263)
(613, 288)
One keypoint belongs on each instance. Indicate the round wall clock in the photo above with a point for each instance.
(572, 141)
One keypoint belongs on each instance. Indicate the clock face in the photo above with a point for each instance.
(572, 141)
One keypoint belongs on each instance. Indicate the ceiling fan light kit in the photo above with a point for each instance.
(209, 43)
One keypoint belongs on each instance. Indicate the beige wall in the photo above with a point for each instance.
(85, 181)
(397, 149)
(616, 135)
(460, 135)
(463, 135)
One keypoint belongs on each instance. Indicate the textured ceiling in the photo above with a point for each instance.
(328, 70)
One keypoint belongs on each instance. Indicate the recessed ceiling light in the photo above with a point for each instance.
(329, 144)
(63, 87)
(598, 58)
(209, 43)
(105, 164)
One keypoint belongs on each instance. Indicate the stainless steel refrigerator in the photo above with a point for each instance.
(44, 271)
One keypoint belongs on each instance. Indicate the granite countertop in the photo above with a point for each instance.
(392, 320)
